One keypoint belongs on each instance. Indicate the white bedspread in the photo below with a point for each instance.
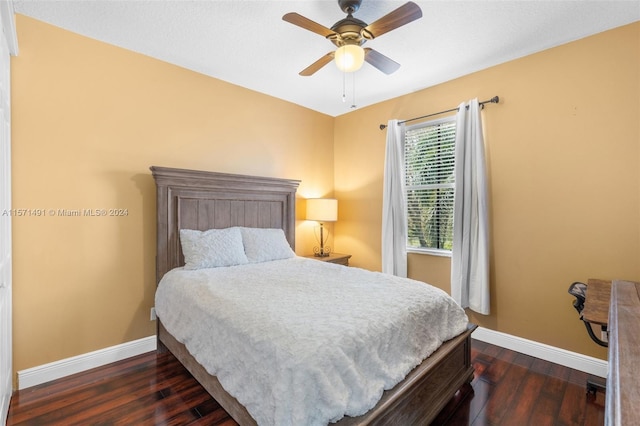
(303, 342)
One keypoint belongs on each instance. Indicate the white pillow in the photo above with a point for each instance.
(265, 244)
(212, 248)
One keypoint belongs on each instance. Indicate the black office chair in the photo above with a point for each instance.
(579, 291)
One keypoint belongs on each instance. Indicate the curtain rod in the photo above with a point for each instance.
(493, 100)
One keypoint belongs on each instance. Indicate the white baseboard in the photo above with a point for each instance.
(588, 364)
(65, 367)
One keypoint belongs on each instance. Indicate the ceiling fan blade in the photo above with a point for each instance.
(378, 60)
(406, 13)
(307, 24)
(311, 69)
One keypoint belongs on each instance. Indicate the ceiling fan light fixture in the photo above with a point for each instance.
(349, 58)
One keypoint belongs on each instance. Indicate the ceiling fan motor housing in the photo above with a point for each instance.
(348, 31)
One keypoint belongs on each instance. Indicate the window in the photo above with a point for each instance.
(429, 150)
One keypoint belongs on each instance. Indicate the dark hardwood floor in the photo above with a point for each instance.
(154, 389)
(511, 388)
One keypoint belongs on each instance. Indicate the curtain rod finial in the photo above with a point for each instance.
(383, 126)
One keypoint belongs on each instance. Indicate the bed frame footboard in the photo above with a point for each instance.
(416, 400)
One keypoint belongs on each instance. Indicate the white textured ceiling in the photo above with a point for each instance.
(247, 43)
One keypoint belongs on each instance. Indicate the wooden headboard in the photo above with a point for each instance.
(192, 199)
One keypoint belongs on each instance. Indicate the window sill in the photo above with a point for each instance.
(431, 252)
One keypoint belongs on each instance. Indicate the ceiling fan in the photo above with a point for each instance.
(349, 34)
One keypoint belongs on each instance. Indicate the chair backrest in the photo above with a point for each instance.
(579, 291)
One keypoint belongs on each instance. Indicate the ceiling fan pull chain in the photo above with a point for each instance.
(344, 85)
(353, 100)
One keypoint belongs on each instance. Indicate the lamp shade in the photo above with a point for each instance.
(349, 57)
(322, 209)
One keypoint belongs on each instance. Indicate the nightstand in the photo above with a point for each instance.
(339, 258)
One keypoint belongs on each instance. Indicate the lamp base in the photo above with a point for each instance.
(324, 250)
(321, 251)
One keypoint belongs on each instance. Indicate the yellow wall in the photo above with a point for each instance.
(88, 121)
(563, 150)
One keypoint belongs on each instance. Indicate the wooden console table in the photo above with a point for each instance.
(596, 312)
(623, 386)
(597, 301)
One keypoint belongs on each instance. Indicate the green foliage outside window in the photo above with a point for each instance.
(429, 162)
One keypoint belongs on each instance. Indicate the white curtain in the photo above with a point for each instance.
(470, 254)
(394, 223)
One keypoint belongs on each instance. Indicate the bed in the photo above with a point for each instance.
(188, 199)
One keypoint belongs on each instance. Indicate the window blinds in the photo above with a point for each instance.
(429, 164)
